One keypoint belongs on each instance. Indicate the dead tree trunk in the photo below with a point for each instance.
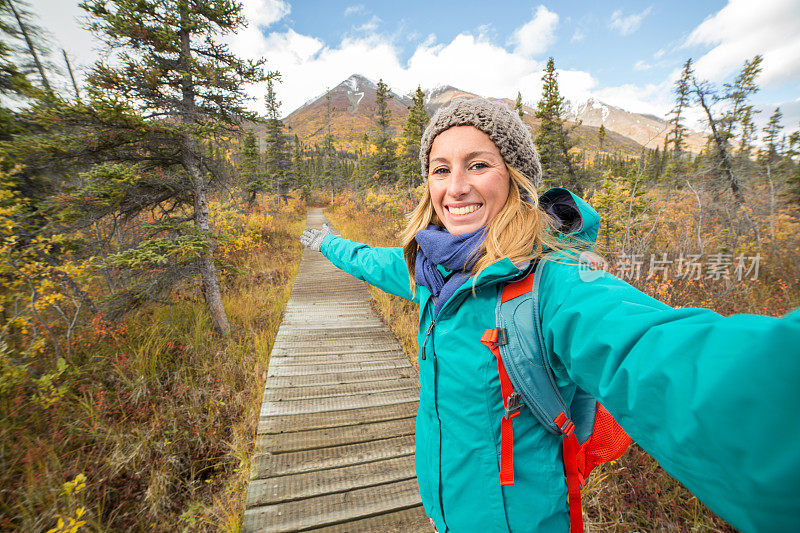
(71, 76)
(719, 143)
(31, 49)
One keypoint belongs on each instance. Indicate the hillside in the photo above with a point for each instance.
(353, 113)
(647, 130)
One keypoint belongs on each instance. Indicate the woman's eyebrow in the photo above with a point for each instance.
(470, 155)
(477, 153)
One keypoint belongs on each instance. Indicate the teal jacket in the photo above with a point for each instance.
(712, 398)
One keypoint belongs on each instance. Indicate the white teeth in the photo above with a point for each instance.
(463, 210)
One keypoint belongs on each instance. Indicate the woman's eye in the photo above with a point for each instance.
(479, 165)
(439, 170)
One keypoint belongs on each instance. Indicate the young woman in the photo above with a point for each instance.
(710, 397)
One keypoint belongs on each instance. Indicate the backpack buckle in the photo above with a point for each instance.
(502, 337)
(513, 405)
(564, 424)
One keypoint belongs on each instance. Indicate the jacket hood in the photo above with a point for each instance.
(573, 216)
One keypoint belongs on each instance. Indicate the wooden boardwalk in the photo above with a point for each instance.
(335, 444)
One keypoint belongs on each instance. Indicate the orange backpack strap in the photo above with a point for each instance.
(492, 338)
(570, 453)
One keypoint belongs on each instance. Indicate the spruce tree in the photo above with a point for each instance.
(552, 138)
(31, 34)
(771, 139)
(299, 173)
(791, 153)
(384, 162)
(13, 79)
(739, 117)
(276, 152)
(601, 136)
(414, 127)
(329, 174)
(250, 169)
(518, 105)
(675, 137)
(189, 87)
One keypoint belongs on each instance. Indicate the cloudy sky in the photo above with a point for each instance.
(624, 53)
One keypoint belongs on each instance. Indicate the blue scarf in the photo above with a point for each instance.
(454, 252)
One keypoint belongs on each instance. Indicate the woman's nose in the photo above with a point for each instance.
(459, 183)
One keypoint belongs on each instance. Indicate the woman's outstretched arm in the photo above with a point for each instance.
(712, 398)
(384, 268)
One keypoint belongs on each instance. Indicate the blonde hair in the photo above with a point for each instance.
(521, 231)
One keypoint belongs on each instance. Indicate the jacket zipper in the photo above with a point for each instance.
(427, 333)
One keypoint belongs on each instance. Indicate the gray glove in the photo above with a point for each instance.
(312, 238)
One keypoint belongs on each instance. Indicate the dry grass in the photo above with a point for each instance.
(156, 414)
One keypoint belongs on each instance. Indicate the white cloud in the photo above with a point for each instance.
(642, 65)
(653, 99)
(354, 9)
(574, 85)
(370, 26)
(578, 36)
(265, 12)
(260, 14)
(537, 34)
(739, 31)
(626, 25)
(470, 62)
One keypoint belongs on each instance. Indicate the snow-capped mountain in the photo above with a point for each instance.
(353, 113)
(647, 130)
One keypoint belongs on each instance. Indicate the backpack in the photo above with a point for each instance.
(590, 435)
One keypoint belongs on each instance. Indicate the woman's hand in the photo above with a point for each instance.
(312, 238)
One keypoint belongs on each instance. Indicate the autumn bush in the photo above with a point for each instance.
(634, 493)
(148, 422)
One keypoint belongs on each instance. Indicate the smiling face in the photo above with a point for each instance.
(467, 178)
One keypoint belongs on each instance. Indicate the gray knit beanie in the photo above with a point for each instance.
(495, 119)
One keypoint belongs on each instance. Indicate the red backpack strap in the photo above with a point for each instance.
(517, 288)
(570, 453)
(492, 338)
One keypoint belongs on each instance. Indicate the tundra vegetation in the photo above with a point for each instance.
(148, 234)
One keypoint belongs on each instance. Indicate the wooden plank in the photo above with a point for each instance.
(322, 347)
(303, 336)
(332, 419)
(336, 355)
(296, 393)
(324, 437)
(269, 465)
(336, 325)
(306, 380)
(332, 509)
(352, 343)
(412, 520)
(338, 403)
(329, 481)
(343, 333)
(337, 368)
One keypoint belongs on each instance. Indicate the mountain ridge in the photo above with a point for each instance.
(354, 110)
